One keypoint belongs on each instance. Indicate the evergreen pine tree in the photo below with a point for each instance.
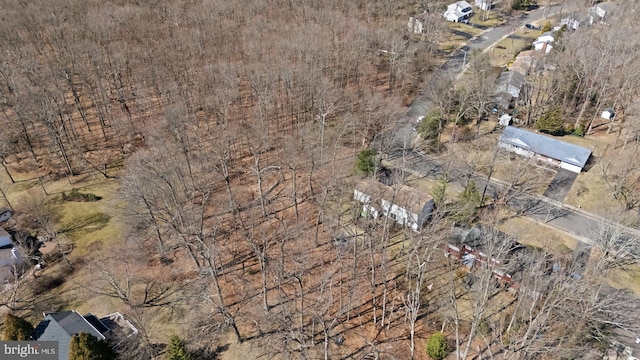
(85, 346)
(176, 349)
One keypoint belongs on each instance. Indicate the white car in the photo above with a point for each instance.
(417, 124)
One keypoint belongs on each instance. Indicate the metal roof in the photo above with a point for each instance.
(547, 146)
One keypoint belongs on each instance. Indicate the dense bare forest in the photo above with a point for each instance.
(230, 130)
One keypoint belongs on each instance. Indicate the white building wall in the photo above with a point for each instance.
(575, 169)
(362, 197)
(517, 150)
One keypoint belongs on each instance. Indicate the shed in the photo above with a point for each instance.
(608, 114)
(553, 151)
(504, 120)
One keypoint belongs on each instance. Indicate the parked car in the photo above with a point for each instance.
(531, 26)
(417, 124)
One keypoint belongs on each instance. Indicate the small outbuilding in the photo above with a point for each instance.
(608, 114)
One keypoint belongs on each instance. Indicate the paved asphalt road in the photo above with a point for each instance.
(580, 224)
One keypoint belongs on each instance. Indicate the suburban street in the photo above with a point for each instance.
(580, 224)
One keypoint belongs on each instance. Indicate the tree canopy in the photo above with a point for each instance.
(551, 122)
(85, 346)
(16, 328)
(437, 346)
(177, 350)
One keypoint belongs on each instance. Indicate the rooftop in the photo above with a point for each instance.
(402, 195)
(545, 145)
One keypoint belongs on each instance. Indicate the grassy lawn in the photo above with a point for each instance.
(506, 49)
(533, 234)
(428, 185)
(590, 193)
(492, 19)
(473, 31)
(452, 43)
(85, 223)
(626, 278)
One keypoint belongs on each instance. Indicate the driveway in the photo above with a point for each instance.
(560, 185)
(462, 34)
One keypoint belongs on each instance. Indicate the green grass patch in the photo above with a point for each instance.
(86, 223)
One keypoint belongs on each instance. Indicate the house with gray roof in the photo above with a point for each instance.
(544, 148)
(404, 205)
(61, 326)
(508, 87)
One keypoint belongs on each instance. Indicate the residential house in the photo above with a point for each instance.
(404, 205)
(576, 20)
(524, 62)
(484, 4)
(61, 326)
(508, 88)
(544, 148)
(459, 11)
(544, 42)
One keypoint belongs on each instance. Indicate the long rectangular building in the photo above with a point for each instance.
(552, 151)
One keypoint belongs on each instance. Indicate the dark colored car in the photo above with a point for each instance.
(530, 26)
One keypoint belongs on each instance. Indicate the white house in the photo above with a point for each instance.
(544, 42)
(404, 205)
(543, 148)
(458, 11)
